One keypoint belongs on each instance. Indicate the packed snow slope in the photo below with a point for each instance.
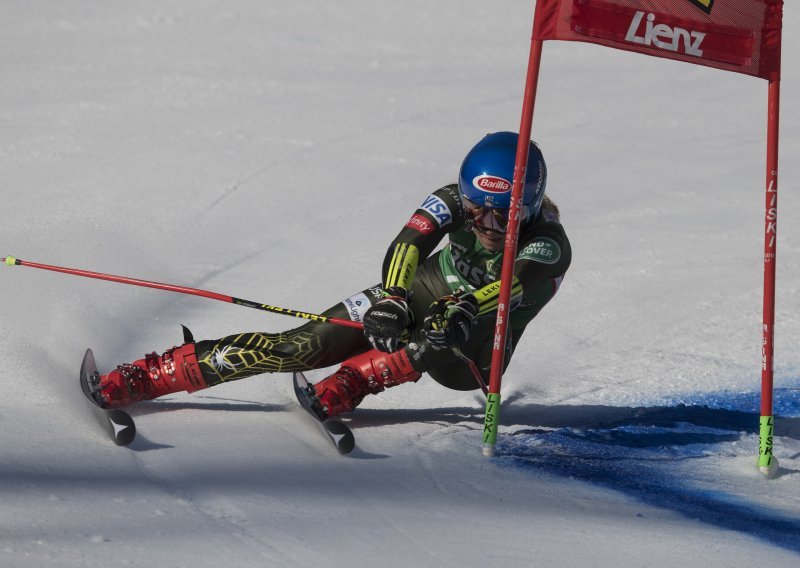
(271, 151)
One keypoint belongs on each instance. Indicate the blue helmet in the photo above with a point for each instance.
(487, 174)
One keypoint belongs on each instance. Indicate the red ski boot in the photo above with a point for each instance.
(154, 376)
(368, 373)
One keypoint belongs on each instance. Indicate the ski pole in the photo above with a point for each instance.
(473, 369)
(12, 261)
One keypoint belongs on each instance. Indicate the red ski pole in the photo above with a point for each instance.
(11, 261)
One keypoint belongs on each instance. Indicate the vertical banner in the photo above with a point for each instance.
(742, 36)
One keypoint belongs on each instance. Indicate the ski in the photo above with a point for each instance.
(117, 423)
(334, 431)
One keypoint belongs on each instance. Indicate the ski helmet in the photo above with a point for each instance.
(487, 174)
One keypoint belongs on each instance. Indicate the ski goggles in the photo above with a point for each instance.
(486, 219)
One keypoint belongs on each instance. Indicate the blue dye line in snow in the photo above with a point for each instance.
(645, 455)
(785, 401)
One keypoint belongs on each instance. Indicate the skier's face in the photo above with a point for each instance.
(493, 241)
(488, 224)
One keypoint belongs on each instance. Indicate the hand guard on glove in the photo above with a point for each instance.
(386, 323)
(450, 320)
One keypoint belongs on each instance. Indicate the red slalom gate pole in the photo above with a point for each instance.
(11, 261)
(767, 462)
(492, 417)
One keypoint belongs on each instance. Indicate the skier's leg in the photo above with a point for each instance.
(366, 373)
(192, 367)
(373, 371)
(156, 375)
(314, 345)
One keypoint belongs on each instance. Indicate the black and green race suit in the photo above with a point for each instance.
(463, 264)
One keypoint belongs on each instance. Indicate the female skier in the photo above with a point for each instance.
(431, 310)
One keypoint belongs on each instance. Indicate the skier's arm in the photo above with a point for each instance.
(386, 323)
(439, 214)
(543, 257)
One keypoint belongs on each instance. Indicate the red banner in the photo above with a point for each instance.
(743, 36)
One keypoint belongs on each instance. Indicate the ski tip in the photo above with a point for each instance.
(88, 370)
(88, 365)
(298, 378)
(307, 397)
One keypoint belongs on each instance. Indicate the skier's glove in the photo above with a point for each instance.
(449, 321)
(386, 323)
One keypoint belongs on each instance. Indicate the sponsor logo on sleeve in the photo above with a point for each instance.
(357, 306)
(438, 208)
(421, 224)
(452, 191)
(543, 249)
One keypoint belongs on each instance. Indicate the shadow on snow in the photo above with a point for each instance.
(643, 452)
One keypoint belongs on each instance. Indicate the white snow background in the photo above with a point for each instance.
(271, 151)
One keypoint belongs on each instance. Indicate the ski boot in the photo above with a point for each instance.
(154, 376)
(367, 373)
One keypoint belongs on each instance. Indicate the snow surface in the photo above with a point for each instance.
(271, 150)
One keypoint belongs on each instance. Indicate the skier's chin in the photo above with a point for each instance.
(493, 242)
